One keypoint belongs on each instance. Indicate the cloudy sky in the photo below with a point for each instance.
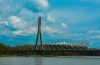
(62, 21)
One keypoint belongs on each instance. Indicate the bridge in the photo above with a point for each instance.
(64, 49)
(56, 50)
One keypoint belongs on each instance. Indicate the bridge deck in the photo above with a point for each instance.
(54, 47)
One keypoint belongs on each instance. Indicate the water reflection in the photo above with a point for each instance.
(38, 60)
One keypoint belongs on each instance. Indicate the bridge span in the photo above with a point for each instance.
(56, 50)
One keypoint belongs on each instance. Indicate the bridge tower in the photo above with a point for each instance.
(39, 36)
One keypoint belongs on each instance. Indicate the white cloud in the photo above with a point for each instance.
(50, 30)
(79, 34)
(41, 3)
(94, 32)
(17, 22)
(27, 31)
(3, 22)
(15, 19)
(64, 25)
(21, 26)
(98, 36)
(50, 18)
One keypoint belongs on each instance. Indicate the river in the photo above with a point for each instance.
(69, 60)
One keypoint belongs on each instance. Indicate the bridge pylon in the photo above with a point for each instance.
(39, 36)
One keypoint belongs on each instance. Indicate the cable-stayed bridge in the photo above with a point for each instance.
(44, 46)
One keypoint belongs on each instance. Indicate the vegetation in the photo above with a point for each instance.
(6, 50)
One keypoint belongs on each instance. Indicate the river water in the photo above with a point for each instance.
(83, 60)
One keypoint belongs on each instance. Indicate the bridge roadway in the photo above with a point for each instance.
(58, 50)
